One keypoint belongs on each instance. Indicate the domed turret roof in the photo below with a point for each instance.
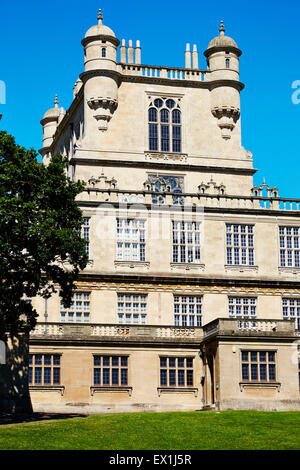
(99, 29)
(222, 40)
(53, 112)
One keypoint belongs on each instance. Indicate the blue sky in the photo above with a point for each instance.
(41, 54)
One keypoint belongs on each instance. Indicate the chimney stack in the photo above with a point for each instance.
(188, 57)
(138, 56)
(123, 51)
(195, 57)
(130, 52)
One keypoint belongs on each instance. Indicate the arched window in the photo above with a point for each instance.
(227, 61)
(164, 118)
(103, 52)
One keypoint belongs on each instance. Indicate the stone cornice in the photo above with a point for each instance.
(206, 209)
(97, 37)
(191, 280)
(213, 50)
(210, 84)
(154, 164)
(99, 72)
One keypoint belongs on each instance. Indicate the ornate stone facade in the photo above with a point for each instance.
(192, 295)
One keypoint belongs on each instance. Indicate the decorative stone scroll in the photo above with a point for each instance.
(227, 117)
(102, 182)
(258, 190)
(164, 184)
(212, 188)
(104, 109)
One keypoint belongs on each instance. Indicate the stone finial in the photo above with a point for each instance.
(222, 29)
(100, 16)
(56, 101)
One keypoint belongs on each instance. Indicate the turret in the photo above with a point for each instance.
(100, 78)
(50, 122)
(223, 64)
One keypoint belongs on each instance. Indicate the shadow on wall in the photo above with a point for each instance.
(14, 389)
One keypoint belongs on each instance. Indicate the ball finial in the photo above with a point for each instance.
(100, 16)
(222, 29)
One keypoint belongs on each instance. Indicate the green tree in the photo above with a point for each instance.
(41, 248)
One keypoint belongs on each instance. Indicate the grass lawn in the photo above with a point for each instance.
(225, 430)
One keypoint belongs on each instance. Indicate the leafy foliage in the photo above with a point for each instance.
(41, 248)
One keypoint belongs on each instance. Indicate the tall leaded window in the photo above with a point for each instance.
(131, 241)
(79, 310)
(132, 308)
(86, 234)
(176, 372)
(187, 310)
(289, 246)
(186, 242)
(258, 366)
(165, 126)
(291, 310)
(240, 244)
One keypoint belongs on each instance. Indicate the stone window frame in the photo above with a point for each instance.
(197, 317)
(250, 259)
(85, 230)
(176, 385)
(141, 258)
(288, 313)
(151, 96)
(243, 318)
(186, 245)
(110, 366)
(140, 313)
(76, 301)
(258, 362)
(295, 262)
(42, 366)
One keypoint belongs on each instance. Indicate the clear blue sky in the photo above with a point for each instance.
(41, 54)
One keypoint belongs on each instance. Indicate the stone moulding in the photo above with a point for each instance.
(102, 388)
(241, 268)
(187, 266)
(175, 157)
(161, 390)
(103, 108)
(288, 269)
(47, 388)
(227, 117)
(132, 264)
(261, 385)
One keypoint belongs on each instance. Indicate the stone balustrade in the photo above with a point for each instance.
(109, 331)
(116, 196)
(221, 327)
(256, 327)
(169, 73)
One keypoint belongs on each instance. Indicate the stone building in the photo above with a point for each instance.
(191, 298)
